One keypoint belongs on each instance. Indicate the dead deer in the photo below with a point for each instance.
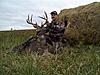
(31, 43)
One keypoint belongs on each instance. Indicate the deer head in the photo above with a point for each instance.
(40, 29)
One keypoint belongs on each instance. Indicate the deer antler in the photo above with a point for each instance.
(45, 18)
(35, 25)
(29, 21)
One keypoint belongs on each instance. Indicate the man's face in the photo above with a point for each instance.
(54, 17)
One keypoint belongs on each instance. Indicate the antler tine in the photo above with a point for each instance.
(31, 17)
(28, 16)
(27, 20)
(46, 15)
(37, 26)
(42, 17)
(42, 24)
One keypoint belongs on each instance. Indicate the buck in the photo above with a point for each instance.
(32, 43)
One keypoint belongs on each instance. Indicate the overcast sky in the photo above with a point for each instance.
(13, 13)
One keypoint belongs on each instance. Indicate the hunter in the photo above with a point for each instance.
(55, 29)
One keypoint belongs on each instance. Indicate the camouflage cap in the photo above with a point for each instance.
(53, 13)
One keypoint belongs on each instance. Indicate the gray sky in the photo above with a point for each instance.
(13, 13)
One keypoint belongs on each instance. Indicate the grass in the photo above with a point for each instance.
(79, 60)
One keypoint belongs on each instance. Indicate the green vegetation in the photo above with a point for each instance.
(78, 60)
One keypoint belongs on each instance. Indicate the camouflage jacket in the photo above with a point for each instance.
(56, 28)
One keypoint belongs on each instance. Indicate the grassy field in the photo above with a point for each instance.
(78, 60)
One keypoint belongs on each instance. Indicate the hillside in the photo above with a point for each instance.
(84, 22)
